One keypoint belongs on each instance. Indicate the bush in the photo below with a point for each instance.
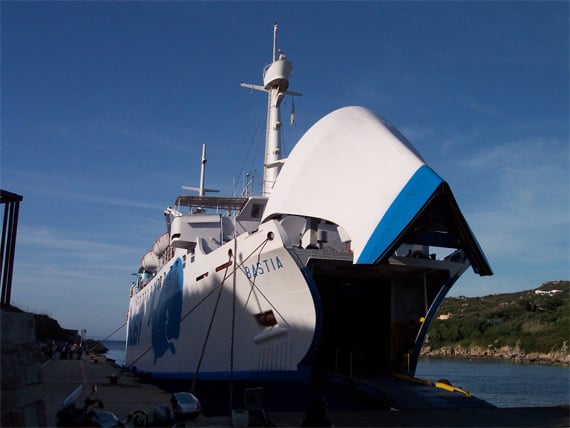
(536, 322)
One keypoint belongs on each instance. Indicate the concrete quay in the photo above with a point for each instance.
(119, 391)
(126, 393)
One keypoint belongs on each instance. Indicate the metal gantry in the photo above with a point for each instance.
(8, 244)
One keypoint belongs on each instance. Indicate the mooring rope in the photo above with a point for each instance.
(221, 288)
(198, 304)
(254, 286)
(116, 330)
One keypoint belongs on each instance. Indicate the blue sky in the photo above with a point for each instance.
(105, 106)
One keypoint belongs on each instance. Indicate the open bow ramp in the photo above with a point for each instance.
(356, 170)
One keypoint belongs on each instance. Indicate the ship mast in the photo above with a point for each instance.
(275, 83)
(201, 190)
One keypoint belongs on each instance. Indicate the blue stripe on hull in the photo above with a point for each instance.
(407, 204)
(243, 375)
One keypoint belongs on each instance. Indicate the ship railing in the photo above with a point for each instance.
(167, 256)
(164, 259)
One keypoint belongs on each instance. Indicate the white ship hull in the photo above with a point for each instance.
(328, 312)
(181, 324)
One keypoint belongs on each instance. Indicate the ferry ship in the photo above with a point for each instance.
(339, 265)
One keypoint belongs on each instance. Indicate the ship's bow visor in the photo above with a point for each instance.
(354, 169)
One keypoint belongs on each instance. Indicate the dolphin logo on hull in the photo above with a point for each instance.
(167, 311)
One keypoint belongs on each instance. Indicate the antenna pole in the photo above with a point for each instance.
(274, 42)
(202, 171)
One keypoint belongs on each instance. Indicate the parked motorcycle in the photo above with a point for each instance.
(185, 407)
(91, 414)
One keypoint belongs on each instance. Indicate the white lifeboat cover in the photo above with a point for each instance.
(355, 169)
(161, 244)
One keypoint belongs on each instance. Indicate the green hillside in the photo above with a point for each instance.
(534, 321)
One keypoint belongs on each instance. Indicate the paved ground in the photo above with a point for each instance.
(61, 377)
(411, 406)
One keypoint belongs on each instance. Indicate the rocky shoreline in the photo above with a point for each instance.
(515, 355)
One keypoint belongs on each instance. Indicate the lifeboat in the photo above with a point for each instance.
(150, 262)
(161, 244)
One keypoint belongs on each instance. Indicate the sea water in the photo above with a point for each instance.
(116, 351)
(499, 382)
